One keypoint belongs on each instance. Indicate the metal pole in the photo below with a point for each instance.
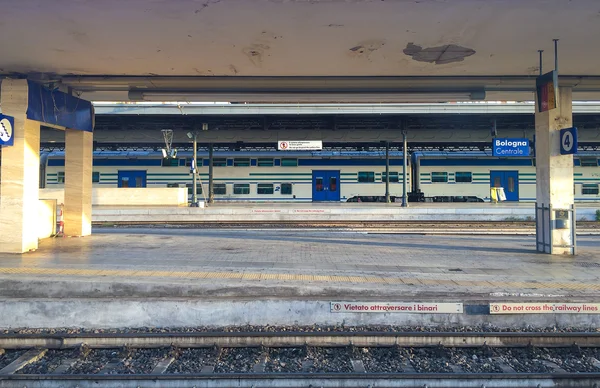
(211, 191)
(195, 172)
(404, 168)
(555, 55)
(387, 172)
(541, 60)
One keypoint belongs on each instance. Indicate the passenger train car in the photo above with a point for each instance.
(248, 176)
(270, 176)
(472, 174)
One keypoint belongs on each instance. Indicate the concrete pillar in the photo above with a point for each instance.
(19, 190)
(554, 176)
(78, 182)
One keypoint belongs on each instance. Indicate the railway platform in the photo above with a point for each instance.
(165, 277)
(290, 212)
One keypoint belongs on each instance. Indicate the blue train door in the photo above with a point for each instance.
(325, 185)
(132, 178)
(507, 179)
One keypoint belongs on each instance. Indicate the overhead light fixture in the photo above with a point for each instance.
(317, 97)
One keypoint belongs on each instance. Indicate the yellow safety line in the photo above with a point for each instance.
(294, 277)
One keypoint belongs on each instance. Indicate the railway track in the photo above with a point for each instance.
(301, 359)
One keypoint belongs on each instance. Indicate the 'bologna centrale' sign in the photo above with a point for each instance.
(510, 147)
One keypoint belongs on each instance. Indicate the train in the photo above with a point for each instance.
(328, 176)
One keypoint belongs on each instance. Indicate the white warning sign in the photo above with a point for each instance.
(392, 307)
(544, 308)
(300, 145)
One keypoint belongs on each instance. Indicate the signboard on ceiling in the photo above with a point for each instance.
(299, 145)
(510, 147)
(546, 88)
(7, 133)
(568, 141)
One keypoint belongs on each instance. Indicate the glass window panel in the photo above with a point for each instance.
(394, 177)
(497, 182)
(219, 162)
(138, 181)
(333, 183)
(439, 177)
(60, 177)
(125, 182)
(366, 176)
(511, 184)
(286, 188)
(219, 188)
(589, 162)
(463, 177)
(265, 162)
(264, 188)
(319, 184)
(289, 162)
(170, 162)
(590, 189)
(95, 177)
(241, 162)
(190, 188)
(241, 188)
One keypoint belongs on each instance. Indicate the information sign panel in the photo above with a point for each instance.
(299, 145)
(397, 307)
(7, 133)
(546, 87)
(510, 147)
(568, 141)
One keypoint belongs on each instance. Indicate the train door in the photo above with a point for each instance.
(325, 185)
(507, 179)
(132, 178)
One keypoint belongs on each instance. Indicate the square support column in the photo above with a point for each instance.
(555, 230)
(19, 191)
(78, 182)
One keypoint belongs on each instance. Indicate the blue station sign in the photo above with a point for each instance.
(510, 147)
(7, 133)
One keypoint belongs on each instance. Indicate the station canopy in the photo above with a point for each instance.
(300, 50)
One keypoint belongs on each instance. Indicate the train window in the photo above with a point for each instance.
(170, 162)
(511, 184)
(220, 189)
(588, 162)
(366, 176)
(497, 182)
(60, 177)
(286, 188)
(172, 184)
(95, 177)
(241, 162)
(463, 177)
(439, 177)
(333, 183)
(264, 188)
(319, 184)
(241, 188)
(190, 188)
(219, 162)
(394, 177)
(590, 189)
(265, 162)
(289, 162)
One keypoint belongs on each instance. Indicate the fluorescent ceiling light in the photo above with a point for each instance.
(389, 97)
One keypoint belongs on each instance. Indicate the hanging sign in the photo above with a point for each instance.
(510, 147)
(546, 87)
(299, 145)
(7, 133)
(568, 141)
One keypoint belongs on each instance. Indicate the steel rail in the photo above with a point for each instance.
(297, 339)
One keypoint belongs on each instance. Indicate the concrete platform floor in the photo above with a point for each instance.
(136, 262)
(125, 277)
